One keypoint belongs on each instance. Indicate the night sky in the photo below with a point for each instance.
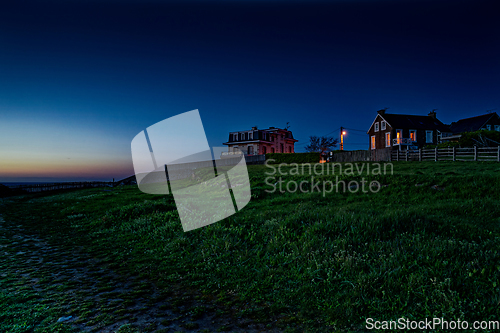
(79, 79)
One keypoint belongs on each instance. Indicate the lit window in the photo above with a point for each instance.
(388, 139)
(373, 142)
(376, 127)
(382, 125)
(413, 135)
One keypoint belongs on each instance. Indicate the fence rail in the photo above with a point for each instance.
(60, 186)
(448, 154)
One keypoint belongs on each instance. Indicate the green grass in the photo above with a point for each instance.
(303, 260)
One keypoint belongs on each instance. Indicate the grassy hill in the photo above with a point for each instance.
(425, 244)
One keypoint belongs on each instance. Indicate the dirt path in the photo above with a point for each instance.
(51, 282)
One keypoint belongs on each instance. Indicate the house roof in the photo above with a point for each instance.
(471, 124)
(414, 122)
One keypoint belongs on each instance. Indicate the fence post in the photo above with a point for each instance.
(420, 154)
(406, 155)
(475, 153)
(454, 154)
(397, 155)
(436, 154)
(498, 154)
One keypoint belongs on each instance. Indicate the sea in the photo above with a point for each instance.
(10, 184)
(14, 184)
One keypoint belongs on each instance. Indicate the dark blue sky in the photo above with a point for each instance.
(79, 79)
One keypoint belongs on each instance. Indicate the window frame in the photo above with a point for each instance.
(373, 142)
(399, 138)
(387, 139)
(376, 128)
(383, 125)
(427, 136)
(413, 131)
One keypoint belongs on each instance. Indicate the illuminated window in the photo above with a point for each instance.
(399, 135)
(388, 139)
(373, 142)
(413, 135)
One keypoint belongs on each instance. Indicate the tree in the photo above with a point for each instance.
(321, 144)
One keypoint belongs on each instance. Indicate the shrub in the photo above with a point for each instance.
(448, 144)
(470, 139)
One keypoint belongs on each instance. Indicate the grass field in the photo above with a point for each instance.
(426, 244)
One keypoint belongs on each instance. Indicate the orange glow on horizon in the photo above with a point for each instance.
(66, 169)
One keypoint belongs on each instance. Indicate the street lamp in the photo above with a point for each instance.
(342, 133)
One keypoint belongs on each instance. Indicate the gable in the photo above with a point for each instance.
(378, 119)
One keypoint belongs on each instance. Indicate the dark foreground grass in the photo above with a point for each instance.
(426, 245)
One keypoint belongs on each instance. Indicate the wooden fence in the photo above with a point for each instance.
(374, 155)
(448, 154)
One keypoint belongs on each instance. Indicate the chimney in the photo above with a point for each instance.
(432, 114)
(254, 128)
(381, 112)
